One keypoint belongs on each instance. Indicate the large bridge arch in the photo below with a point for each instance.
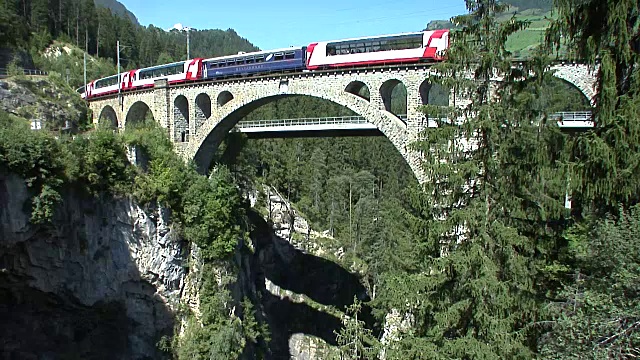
(211, 134)
(581, 76)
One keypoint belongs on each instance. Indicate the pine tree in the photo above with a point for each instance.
(355, 340)
(494, 191)
(607, 158)
(39, 15)
(597, 313)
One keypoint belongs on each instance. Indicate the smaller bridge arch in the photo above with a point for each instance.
(224, 97)
(181, 119)
(359, 88)
(394, 96)
(108, 118)
(434, 94)
(138, 113)
(203, 110)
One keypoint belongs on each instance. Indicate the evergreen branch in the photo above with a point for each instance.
(617, 335)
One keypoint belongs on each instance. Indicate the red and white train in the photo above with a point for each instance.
(406, 48)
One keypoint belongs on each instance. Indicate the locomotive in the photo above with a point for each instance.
(405, 48)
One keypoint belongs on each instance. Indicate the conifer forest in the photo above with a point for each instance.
(523, 243)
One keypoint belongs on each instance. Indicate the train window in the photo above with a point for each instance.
(260, 58)
(331, 50)
(289, 55)
(251, 60)
(278, 56)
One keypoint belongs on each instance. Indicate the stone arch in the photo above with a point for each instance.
(138, 113)
(181, 119)
(358, 88)
(224, 97)
(434, 94)
(202, 149)
(571, 93)
(203, 109)
(108, 118)
(394, 97)
(581, 76)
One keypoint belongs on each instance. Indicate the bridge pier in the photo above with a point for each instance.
(162, 105)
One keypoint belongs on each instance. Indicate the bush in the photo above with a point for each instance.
(14, 68)
(36, 156)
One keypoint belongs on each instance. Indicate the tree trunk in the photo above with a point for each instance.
(78, 26)
(98, 41)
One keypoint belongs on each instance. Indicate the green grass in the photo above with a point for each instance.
(524, 42)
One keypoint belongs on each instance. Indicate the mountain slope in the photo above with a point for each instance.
(524, 42)
(117, 8)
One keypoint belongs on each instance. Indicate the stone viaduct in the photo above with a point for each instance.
(198, 115)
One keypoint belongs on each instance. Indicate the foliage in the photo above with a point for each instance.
(14, 69)
(486, 214)
(596, 314)
(102, 163)
(36, 157)
(530, 4)
(219, 333)
(605, 32)
(210, 209)
(211, 214)
(356, 341)
(61, 57)
(32, 25)
(215, 335)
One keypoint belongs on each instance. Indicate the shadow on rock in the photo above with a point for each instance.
(321, 280)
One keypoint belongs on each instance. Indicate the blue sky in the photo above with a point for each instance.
(274, 24)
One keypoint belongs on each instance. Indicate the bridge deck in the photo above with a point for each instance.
(568, 120)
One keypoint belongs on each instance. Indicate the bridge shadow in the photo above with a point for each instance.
(321, 280)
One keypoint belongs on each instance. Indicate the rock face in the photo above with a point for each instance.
(303, 293)
(100, 282)
(53, 106)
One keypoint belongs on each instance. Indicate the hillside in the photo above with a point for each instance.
(522, 43)
(117, 8)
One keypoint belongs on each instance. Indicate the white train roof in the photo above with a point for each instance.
(255, 53)
(379, 36)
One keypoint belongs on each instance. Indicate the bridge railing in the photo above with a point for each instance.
(4, 72)
(337, 120)
(565, 119)
(572, 116)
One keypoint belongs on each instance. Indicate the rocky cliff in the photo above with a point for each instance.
(47, 102)
(303, 287)
(101, 281)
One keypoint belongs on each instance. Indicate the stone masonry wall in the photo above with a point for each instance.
(327, 85)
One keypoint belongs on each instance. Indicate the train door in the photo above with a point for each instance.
(194, 69)
(127, 80)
